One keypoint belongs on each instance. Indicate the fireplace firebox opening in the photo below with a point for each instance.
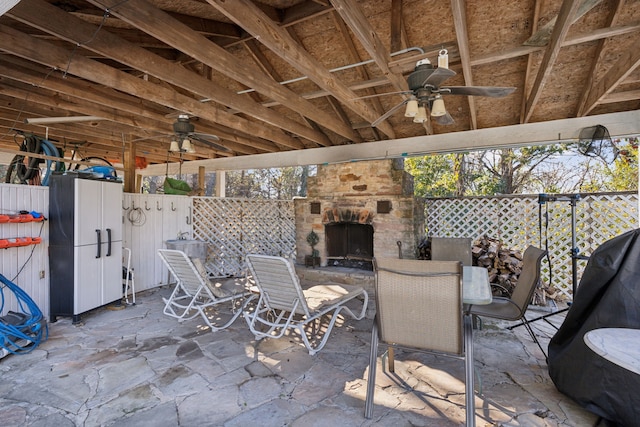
(349, 245)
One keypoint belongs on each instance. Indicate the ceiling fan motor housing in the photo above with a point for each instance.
(182, 126)
(417, 78)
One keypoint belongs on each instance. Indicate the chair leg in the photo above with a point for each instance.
(470, 408)
(371, 380)
(526, 324)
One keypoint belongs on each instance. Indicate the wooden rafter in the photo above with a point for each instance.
(611, 21)
(460, 23)
(282, 44)
(159, 24)
(53, 56)
(628, 62)
(565, 17)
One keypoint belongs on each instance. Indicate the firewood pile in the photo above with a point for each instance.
(503, 265)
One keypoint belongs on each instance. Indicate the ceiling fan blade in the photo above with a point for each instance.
(401, 92)
(211, 144)
(206, 136)
(438, 76)
(388, 114)
(491, 91)
(445, 120)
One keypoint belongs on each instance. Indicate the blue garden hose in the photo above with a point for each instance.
(25, 335)
(50, 150)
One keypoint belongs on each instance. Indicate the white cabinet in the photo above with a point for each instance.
(85, 248)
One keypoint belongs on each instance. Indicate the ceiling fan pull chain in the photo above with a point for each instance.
(443, 58)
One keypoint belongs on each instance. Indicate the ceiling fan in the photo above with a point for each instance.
(426, 92)
(184, 132)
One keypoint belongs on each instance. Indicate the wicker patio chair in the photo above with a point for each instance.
(194, 293)
(420, 307)
(283, 305)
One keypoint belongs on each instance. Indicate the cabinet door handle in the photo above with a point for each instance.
(99, 242)
(108, 242)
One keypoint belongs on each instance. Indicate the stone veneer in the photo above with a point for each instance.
(351, 192)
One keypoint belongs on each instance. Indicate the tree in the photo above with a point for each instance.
(275, 183)
(433, 176)
(509, 170)
(622, 175)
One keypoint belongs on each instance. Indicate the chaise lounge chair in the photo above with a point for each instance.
(284, 305)
(194, 293)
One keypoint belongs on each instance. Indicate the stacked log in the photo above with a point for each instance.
(503, 265)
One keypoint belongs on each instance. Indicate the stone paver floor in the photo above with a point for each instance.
(138, 367)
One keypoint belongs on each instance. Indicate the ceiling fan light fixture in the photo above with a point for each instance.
(421, 117)
(412, 108)
(174, 147)
(187, 147)
(437, 109)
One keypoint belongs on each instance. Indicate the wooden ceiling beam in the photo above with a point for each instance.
(353, 15)
(542, 36)
(157, 23)
(22, 45)
(618, 72)
(244, 12)
(560, 30)
(142, 116)
(626, 96)
(376, 104)
(89, 95)
(588, 85)
(528, 71)
(570, 41)
(51, 19)
(462, 35)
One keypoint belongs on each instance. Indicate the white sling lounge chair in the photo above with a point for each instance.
(284, 305)
(194, 292)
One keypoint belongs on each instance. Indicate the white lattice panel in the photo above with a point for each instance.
(517, 221)
(235, 227)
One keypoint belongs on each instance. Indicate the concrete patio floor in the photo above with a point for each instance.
(138, 367)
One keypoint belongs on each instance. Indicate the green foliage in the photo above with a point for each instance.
(313, 239)
(624, 175)
(433, 176)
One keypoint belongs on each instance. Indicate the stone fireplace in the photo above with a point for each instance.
(359, 210)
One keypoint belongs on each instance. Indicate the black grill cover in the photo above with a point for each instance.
(608, 296)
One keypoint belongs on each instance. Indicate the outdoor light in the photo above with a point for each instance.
(437, 109)
(412, 108)
(174, 147)
(66, 119)
(187, 147)
(421, 117)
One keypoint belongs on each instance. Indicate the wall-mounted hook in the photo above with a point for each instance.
(126, 209)
(158, 205)
(172, 208)
(146, 208)
(189, 216)
(133, 204)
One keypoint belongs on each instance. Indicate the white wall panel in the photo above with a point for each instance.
(23, 265)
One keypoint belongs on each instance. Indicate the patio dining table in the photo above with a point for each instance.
(476, 288)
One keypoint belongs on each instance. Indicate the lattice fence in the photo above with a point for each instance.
(519, 221)
(235, 227)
